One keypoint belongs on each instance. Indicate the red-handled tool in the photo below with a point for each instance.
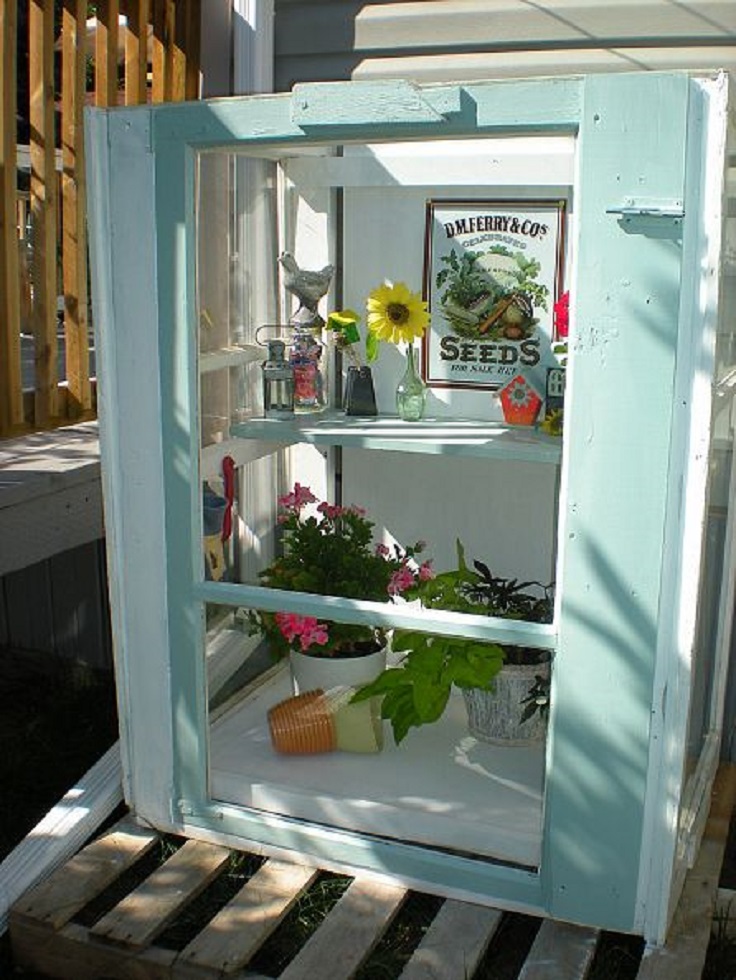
(228, 475)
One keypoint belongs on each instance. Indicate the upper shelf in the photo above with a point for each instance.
(451, 437)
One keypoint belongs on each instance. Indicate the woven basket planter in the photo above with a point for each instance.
(495, 716)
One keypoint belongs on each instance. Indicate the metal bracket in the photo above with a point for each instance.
(647, 207)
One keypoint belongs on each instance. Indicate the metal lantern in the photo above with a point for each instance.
(278, 383)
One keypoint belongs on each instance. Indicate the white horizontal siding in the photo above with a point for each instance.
(440, 23)
(467, 67)
(467, 39)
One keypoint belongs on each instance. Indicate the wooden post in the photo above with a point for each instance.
(74, 239)
(106, 53)
(158, 59)
(11, 394)
(43, 207)
(175, 58)
(136, 52)
(192, 44)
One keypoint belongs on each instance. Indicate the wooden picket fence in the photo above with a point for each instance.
(72, 61)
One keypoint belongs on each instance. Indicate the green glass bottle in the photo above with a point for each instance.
(411, 392)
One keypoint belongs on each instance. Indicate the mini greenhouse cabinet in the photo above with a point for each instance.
(628, 512)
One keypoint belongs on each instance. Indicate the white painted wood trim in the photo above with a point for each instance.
(684, 534)
(63, 830)
(242, 451)
(497, 162)
(131, 445)
(253, 46)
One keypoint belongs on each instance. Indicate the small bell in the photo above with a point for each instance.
(278, 383)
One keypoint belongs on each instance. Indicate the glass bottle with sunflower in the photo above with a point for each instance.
(399, 316)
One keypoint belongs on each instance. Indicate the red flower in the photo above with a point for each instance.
(306, 628)
(401, 580)
(300, 497)
(561, 315)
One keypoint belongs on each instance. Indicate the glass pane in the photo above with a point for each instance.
(720, 495)
(332, 528)
(235, 287)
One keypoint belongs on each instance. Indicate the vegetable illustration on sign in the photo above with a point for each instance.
(491, 276)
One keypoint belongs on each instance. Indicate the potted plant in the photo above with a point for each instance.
(328, 549)
(397, 315)
(359, 396)
(505, 687)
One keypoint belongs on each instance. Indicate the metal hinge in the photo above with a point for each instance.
(647, 207)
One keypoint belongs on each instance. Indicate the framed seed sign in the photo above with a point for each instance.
(492, 272)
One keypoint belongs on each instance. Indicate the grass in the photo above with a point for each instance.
(720, 963)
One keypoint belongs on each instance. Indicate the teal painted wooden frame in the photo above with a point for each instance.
(619, 474)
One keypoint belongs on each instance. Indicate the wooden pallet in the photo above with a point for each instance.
(54, 930)
(47, 936)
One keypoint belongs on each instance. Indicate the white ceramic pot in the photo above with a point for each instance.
(310, 673)
(495, 716)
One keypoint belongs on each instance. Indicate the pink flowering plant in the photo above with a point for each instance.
(328, 549)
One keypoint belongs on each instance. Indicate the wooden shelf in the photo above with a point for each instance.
(451, 437)
(227, 357)
(441, 787)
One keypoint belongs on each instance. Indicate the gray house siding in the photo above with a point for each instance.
(60, 606)
(325, 40)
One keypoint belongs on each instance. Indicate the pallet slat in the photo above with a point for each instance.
(147, 910)
(454, 943)
(236, 932)
(71, 954)
(560, 952)
(53, 902)
(683, 955)
(122, 945)
(349, 933)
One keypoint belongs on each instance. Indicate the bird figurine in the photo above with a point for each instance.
(308, 287)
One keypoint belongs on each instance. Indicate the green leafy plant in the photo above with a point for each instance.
(328, 549)
(417, 691)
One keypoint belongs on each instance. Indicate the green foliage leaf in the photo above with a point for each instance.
(386, 682)
(430, 698)
(398, 706)
(475, 666)
(372, 345)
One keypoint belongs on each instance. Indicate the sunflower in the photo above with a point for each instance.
(396, 314)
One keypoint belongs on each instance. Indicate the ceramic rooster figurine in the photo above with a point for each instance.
(308, 287)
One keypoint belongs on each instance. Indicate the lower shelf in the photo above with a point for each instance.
(441, 787)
